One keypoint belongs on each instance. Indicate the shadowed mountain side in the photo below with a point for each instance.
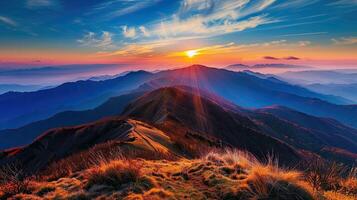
(250, 91)
(183, 114)
(20, 108)
(59, 143)
(325, 137)
(26, 134)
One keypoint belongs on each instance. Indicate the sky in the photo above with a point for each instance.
(169, 33)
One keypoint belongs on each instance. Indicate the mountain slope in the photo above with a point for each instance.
(128, 135)
(25, 135)
(217, 80)
(183, 114)
(250, 91)
(21, 108)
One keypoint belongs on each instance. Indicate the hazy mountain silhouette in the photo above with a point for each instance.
(26, 134)
(348, 91)
(20, 108)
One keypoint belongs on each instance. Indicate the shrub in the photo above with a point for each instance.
(114, 174)
(269, 182)
(324, 175)
(13, 180)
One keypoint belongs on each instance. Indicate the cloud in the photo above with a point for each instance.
(295, 4)
(278, 66)
(144, 31)
(286, 58)
(291, 58)
(35, 4)
(129, 32)
(270, 58)
(208, 18)
(117, 8)
(304, 43)
(303, 34)
(92, 40)
(345, 41)
(344, 3)
(8, 21)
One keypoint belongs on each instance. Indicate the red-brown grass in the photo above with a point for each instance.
(114, 174)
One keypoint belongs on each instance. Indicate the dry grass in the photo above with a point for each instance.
(98, 155)
(13, 180)
(217, 175)
(114, 174)
(257, 180)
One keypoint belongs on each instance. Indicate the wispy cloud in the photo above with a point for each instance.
(295, 4)
(91, 39)
(208, 18)
(303, 34)
(35, 4)
(8, 21)
(344, 3)
(345, 41)
(117, 8)
(304, 43)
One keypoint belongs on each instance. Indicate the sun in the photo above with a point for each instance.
(191, 53)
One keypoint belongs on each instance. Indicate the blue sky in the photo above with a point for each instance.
(117, 31)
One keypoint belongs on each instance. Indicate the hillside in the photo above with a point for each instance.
(185, 115)
(128, 135)
(26, 134)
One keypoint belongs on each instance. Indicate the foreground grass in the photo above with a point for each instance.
(229, 175)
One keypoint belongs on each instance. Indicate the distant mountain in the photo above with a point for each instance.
(18, 109)
(26, 134)
(348, 91)
(229, 84)
(250, 91)
(18, 88)
(238, 87)
(319, 76)
(107, 77)
(237, 67)
(55, 75)
(278, 65)
(240, 67)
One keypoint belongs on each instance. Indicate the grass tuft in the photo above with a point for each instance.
(114, 174)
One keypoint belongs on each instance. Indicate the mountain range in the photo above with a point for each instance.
(180, 113)
(244, 89)
(182, 121)
(348, 91)
(320, 76)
